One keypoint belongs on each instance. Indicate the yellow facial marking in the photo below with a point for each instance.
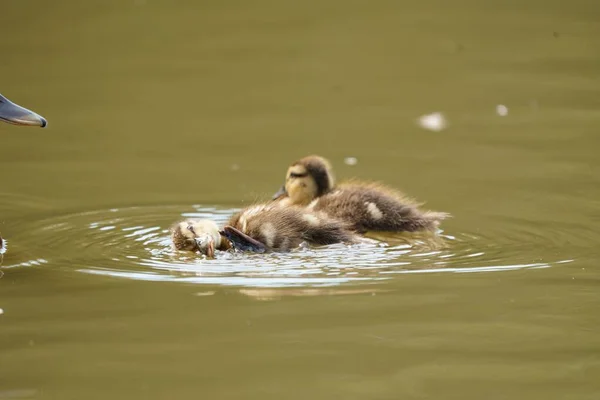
(296, 170)
(300, 186)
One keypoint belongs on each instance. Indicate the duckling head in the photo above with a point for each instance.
(17, 115)
(197, 235)
(306, 179)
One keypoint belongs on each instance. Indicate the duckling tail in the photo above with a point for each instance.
(432, 219)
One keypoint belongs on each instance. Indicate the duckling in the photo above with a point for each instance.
(15, 114)
(261, 228)
(367, 206)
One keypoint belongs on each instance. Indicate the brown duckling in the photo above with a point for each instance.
(17, 115)
(366, 206)
(262, 228)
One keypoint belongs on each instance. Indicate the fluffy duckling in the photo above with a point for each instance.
(261, 228)
(17, 115)
(366, 206)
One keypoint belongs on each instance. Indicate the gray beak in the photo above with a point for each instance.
(17, 115)
(281, 192)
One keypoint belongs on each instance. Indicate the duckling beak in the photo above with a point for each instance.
(280, 193)
(206, 245)
(17, 115)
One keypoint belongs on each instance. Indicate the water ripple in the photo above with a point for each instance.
(134, 243)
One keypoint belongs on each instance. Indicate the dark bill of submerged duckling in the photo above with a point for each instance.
(15, 114)
(241, 241)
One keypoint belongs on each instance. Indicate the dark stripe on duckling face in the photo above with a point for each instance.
(297, 175)
(319, 173)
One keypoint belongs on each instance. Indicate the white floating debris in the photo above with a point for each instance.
(350, 161)
(501, 110)
(434, 122)
(1, 311)
(209, 293)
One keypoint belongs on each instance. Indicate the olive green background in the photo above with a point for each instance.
(160, 108)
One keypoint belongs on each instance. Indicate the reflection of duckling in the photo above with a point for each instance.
(367, 206)
(261, 228)
(17, 115)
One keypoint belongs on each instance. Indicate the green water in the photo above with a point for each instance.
(159, 110)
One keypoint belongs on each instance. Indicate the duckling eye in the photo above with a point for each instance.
(191, 229)
(296, 175)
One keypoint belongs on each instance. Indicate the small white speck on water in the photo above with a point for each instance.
(502, 110)
(435, 122)
(208, 293)
(1, 311)
(350, 161)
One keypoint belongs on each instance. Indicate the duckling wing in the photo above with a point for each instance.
(377, 208)
(241, 241)
(328, 231)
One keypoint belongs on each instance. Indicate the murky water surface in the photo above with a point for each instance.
(163, 110)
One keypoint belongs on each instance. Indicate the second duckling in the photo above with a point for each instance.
(365, 206)
(261, 228)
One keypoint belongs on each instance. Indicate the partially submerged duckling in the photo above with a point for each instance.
(17, 115)
(366, 206)
(261, 228)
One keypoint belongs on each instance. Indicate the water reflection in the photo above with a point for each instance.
(134, 243)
